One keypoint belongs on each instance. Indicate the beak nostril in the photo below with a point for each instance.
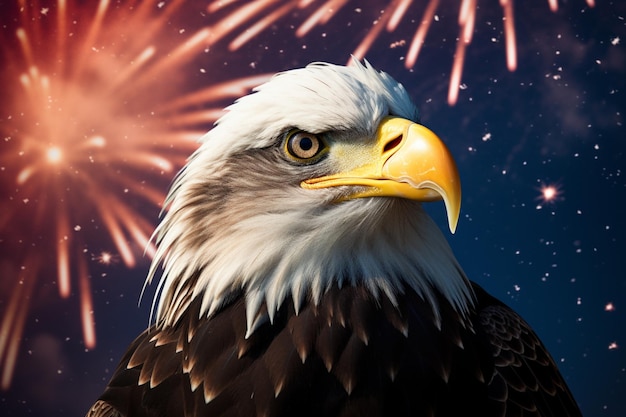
(393, 143)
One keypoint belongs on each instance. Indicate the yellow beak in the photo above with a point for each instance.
(406, 160)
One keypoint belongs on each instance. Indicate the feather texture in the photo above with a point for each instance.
(501, 369)
(238, 217)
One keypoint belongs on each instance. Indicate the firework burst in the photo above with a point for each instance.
(93, 124)
(392, 15)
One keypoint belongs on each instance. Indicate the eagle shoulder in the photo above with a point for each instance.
(525, 378)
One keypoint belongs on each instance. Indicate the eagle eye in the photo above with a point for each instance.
(304, 146)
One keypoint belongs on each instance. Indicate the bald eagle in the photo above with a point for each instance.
(302, 277)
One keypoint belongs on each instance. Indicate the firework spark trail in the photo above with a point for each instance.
(322, 15)
(261, 25)
(509, 34)
(393, 14)
(371, 36)
(467, 16)
(91, 109)
(12, 325)
(420, 34)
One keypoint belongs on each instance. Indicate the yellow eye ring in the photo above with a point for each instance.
(304, 146)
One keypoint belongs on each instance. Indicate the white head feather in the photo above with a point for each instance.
(239, 221)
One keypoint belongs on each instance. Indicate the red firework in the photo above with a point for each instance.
(392, 15)
(93, 123)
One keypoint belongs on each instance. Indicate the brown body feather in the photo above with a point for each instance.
(350, 355)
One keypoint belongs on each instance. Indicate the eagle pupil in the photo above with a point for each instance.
(306, 144)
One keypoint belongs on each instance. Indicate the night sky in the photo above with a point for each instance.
(540, 152)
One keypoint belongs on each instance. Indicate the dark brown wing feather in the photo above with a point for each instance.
(351, 355)
(525, 379)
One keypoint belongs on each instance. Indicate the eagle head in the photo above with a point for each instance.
(315, 179)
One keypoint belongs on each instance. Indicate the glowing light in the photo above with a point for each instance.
(609, 307)
(91, 110)
(54, 154)
(549, 194)
(613, 346)
(105, 258)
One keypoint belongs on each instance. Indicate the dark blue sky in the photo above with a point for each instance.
(557, 120)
